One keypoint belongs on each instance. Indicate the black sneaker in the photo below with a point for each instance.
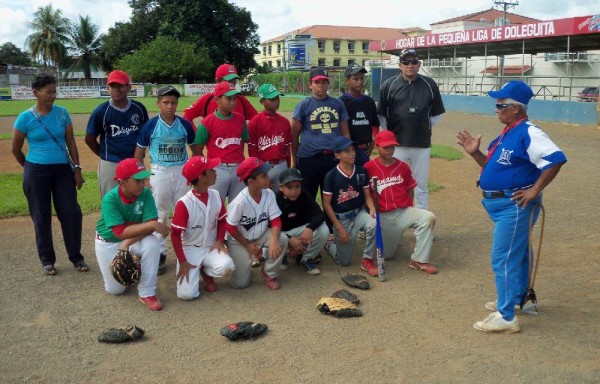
(310, 267)
(161, 264)
(285, 263)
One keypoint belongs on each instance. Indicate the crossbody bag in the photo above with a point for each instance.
(65, 149)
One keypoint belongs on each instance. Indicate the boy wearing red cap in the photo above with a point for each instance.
(395, 185)
(113, 129)
(248, 219)
(198, 231)
(207, 104)
(128, 221)
(270, 134)
(223, 133)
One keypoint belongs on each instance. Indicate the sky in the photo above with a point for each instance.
(276, 18)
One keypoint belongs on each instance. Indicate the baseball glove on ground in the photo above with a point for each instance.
(356, 280)
(126, 268)
(346, 295)
(121, 335)
(244, 330)
(338, 307)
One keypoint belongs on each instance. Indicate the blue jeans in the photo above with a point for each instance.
(510, 250)
(44, 184)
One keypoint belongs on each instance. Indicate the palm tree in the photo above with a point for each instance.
(50, 37)
(85, 44)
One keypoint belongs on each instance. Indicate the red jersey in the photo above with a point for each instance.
(269, 137)
(393, 184)
(223, 136)
(207, 104)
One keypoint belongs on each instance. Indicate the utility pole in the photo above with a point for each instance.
(505, 5)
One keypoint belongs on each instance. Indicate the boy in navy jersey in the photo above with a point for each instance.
(345, 193)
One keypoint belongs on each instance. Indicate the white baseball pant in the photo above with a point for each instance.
(215, 264)
(147, 249)
(394, 223)
(274, 174)
(418, 160)
(319, 239)
(106, 176)
(362, 221)
(228, 183)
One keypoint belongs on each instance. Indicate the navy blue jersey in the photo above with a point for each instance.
(362, 117)
(118, 129)
(347, 191)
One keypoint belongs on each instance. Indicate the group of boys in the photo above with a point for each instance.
(272, 213)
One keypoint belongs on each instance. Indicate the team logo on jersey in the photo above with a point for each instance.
(223, 143)
(360, 119)
(138, 209)
(324, 118)
(344, 196)
(291, 215)
(266, 142)
(248, 222)
(388, 182)
(504, 158)
(118, 131)
(135, 119)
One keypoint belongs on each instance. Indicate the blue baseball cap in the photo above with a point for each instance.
(341, 143)
(514, 89)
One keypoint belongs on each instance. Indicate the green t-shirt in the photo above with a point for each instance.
(115, 212)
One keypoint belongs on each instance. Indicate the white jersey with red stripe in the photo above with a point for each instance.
(394, 181)
(252, 218)
(200, 229)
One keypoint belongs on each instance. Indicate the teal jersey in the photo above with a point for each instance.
(116, 212)
(166, 143)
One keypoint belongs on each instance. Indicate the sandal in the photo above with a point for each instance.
(49, 270)
(82, 266)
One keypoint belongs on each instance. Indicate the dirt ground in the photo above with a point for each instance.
(416, 328)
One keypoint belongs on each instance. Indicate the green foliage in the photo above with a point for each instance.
(445, 152)
(166, 60)
(10, 54)
(15, 204)
(49, 40)
(85, 44)
(288, 82)
(433, 187)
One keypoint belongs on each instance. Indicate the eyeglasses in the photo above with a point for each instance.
(503, 106)
(412, 61)
(51, 93)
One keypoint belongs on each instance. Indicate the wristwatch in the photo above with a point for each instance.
(77, 166)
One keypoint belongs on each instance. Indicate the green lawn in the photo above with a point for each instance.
(14, 107)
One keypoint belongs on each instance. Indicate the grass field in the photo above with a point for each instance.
(14, 107)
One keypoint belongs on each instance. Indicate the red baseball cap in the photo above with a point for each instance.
(196, 166)
(118, 77)
(227, 72)
(385, 138)
(225, 89)
(250, 165)
(131, 168)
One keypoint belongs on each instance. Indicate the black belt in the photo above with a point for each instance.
(497, 194)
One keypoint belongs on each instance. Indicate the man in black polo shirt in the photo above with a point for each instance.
(410, 105)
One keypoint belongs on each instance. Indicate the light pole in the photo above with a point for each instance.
(505, 4)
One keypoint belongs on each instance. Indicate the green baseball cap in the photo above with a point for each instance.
(268, 91)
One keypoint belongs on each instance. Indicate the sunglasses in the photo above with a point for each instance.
(503, 106)
(412, 61)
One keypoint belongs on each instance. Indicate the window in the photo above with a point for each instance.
(351, 46)
(336, 46)
(269, 50)
(321, 44)
(365, 47)
(278, 49)
(264, 50)
(278, 63)
(351, 61)
(336, 62)
(364, 62)
(321, 63)
(270, 64)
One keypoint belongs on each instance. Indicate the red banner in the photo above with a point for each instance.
(561, 27)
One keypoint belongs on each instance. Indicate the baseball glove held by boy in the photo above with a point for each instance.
(126, 268)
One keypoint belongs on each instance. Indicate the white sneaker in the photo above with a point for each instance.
(495, 323)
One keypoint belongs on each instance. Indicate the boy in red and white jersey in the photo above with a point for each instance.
(395, 185)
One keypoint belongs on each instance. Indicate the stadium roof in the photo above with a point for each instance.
(349, 33)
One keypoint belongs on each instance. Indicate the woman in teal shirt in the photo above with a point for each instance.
(48, 175)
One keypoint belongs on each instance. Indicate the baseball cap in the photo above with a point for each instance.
(341, 143)
(514, 89)
(196, 166)
(131, 168)
(385, 138)
(118, 77)
(317, 73)
(168, 90)
(353, 69)
(224, 89)
(251, 165)
(227, 72)
(289, 174)
(408, 52)
(268, 91)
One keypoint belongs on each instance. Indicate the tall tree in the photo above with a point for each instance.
(49, 40)
(85, 45)
(11, 54)
(166, 60)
